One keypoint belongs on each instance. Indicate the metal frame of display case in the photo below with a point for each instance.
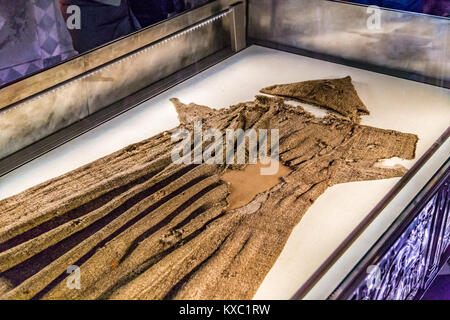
(40, 82)
(218, 28)
(296, 26)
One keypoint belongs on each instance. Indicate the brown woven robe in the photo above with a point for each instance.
(141, 227)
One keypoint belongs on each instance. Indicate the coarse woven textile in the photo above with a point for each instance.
(142, 227)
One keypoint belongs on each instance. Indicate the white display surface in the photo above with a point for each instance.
(394, 103)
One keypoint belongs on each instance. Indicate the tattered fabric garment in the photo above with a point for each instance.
(142, 227)
(338, 95)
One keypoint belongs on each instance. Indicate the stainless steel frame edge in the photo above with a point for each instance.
(404, 44)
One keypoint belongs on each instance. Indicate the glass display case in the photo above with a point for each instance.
(365, 239)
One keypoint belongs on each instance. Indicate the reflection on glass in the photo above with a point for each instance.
(38, 34)
(33, 36)
(434, 7)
